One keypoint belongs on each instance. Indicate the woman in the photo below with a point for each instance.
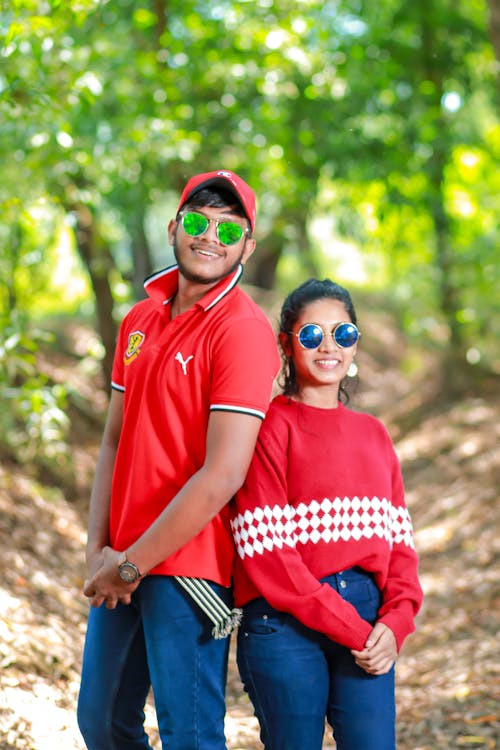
(326, 570)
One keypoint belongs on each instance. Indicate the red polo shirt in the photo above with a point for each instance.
(221, 354)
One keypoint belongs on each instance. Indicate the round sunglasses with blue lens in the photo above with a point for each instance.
(311, 335)
(196, 224)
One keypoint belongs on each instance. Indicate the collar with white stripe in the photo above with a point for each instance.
(162, 285)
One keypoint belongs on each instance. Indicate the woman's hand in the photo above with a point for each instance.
(106, 585)
(380, 651)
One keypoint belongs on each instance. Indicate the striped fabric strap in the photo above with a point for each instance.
(225, 620)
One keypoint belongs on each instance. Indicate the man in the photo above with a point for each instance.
(192, 379)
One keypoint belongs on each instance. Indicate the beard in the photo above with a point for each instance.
(194, 277)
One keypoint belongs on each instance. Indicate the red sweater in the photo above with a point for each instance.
(325, 493)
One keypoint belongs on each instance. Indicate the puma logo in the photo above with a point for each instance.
(183, 362)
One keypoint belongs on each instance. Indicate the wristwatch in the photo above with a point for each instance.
(128, 571)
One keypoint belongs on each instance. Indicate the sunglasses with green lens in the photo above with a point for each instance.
(196, 224)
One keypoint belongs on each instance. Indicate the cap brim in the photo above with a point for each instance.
(218, 182)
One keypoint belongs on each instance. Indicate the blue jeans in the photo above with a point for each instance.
(296, 677)
(161, 639)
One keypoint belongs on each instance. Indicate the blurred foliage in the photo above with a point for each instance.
(369, 131)
(33, 423)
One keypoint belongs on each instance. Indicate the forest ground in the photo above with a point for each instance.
(448, 673)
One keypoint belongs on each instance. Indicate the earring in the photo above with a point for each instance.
(352, 370)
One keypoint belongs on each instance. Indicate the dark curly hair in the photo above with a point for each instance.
(310, 291)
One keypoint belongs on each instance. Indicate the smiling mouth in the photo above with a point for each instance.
(205, 252)
(330, 363)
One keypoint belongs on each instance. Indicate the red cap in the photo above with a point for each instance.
(228, 180)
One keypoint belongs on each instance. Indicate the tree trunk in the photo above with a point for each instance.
(15, 244)
(494, 13)
(99, 263)
(140, 252)
(160, 7)
(261, 270)
(449, 296)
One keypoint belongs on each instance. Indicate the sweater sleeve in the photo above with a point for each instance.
(265, 537)
(402, 593)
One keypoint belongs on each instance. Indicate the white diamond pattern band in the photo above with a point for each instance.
(340, 519)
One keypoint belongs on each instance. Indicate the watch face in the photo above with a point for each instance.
(128, 572)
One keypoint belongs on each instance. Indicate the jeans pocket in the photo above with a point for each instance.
(367, 600)
(259, 618)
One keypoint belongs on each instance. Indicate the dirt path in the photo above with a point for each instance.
(448, 677)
